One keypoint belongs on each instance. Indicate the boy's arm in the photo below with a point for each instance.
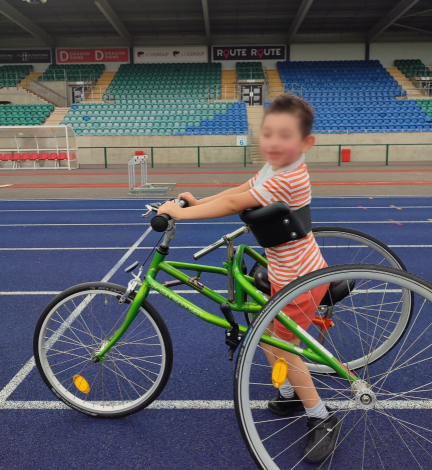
(197, 202)
(221, 207)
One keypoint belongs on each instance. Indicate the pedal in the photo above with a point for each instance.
(233, 336)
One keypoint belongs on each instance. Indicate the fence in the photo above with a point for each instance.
(246, 153)
(222, 92)
(52, 75)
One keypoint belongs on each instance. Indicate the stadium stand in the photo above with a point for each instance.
(134, 83)
(72, 72)
(11, 75)
(353, 96)
(413, 68)
(24, 114)
(426, 106)
(165, 118)
(249, 70)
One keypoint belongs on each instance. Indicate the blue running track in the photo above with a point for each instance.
(47, 246)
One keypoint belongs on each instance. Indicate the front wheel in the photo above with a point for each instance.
(385, 416)
(78, 323)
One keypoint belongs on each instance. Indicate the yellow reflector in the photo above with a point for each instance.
(280, 372)
(81, 384)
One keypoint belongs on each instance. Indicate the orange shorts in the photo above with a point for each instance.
(301, 310)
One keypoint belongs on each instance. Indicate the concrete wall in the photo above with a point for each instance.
(327, 52)
(19, 96)
(375, 151)
(119, 155)
(59, 88)
(326, 150)
(387, 53)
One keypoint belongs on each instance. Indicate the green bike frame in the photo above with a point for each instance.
(243, 285)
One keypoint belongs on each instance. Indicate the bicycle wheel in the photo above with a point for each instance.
(76, 324)
(386, 417)
(346, 246)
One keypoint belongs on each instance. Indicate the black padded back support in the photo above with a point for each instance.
(276, 223)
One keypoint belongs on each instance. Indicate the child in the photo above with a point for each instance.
(284, 140)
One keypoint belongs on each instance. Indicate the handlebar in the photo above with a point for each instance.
(159, 223)
(223, 241)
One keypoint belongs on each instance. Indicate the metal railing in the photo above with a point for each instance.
(87, 75)
(16, 77)
(245, 152)
(222, 92)
(248, 73)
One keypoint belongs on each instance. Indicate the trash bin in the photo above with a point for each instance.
(346, 155)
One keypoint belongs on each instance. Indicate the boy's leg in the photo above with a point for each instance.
(299, 376)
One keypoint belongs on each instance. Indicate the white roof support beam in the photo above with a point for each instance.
(206, 20)
(393, 15)
(22, 21)
(115, 21)
(298, 19)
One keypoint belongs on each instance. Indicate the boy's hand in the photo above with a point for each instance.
(189, 198)
(172, 209)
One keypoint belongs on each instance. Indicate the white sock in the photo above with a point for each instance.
(318, 411)
(287, 390)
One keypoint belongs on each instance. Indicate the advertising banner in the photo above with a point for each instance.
(25, 56)
(170, 54)
(248, 53)
(93, 55)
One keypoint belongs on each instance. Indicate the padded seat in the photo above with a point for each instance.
(336, 292)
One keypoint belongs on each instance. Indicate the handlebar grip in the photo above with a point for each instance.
(183, 202)
(159, 223)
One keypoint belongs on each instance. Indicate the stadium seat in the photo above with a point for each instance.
(16, 157)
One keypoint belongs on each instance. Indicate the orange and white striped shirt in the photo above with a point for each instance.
(290, 184)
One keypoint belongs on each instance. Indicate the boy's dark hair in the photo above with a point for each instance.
(293, 104)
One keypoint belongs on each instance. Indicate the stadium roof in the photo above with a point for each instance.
(145, 22)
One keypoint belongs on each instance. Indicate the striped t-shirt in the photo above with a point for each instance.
(295, 258)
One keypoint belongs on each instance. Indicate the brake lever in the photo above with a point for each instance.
(149, 211)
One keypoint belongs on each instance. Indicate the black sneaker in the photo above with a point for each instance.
(285, 406)
(322, 437)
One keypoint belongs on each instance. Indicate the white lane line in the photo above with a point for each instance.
(53, 292)
(189, 291)
(120, 224)
(143, 209)
(334, 222)
(221, 405)
(5, 185)
(90, 248)
(30, 364)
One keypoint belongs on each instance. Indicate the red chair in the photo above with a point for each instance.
(7, 157)
(43, 156)
(34, 157)
(62, 156)
(16, 157)
(25, 157)
(53, 157)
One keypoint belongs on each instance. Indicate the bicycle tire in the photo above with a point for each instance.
(40, 351)
(244, 378)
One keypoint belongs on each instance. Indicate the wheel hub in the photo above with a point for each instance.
(363, 396)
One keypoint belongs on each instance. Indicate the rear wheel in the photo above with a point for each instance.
(75, 325)
(351, 247)
(341, 245)
(386, 415)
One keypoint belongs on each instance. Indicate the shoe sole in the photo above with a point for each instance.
(309, 460)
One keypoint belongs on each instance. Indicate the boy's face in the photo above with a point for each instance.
(281, 139)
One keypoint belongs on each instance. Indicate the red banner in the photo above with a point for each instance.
(108, 54)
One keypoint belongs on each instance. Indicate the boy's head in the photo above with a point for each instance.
(286, 130)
